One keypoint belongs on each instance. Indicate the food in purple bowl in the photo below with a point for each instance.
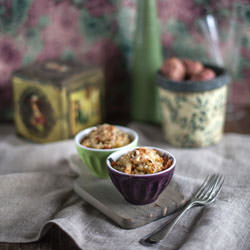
(142, 173)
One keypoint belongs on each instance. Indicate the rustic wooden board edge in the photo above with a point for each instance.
(121, 221)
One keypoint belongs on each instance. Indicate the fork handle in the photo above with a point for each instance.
(158, 234)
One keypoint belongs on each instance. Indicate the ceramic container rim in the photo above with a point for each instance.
(222, 78)
(114, 156)
(80, 135)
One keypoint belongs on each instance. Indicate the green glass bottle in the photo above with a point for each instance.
(146, 60)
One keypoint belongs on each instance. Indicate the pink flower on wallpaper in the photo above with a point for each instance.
(241, 91)
(51, 50)
(101, 52)
(128, 3)
(185, 11)
(37, 9)
(226, 4)
(10, 59)
(9, 53)
(246, 74)
(246, 53)
(99, 7)
(95, 54)
(167, 40)
(113, 27)
(62, 32)
(5, 76)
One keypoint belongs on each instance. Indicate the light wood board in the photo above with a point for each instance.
(102, 194)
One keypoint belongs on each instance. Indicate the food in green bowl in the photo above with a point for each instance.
(95, 144)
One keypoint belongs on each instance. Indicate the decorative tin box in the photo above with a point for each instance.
(55, 100)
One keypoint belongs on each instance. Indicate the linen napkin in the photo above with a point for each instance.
(36, 190)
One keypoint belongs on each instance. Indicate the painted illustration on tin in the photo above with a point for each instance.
(36, 112)
(80, 116)
(84, 108)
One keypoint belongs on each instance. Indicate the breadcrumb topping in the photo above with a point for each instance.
(142, 161)
(106, 136)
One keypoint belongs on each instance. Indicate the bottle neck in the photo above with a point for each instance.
(147, 14)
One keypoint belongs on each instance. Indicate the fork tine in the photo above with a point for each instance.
(206, 194)
(206, 181)
(206, 187)
(219, 179)
(217, 190)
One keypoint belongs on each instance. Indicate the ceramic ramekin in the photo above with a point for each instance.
(140, 189)
(95, 159)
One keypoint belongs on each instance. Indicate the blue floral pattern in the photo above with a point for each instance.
(193, 119)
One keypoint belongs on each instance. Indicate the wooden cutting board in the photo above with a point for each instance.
(102, 194)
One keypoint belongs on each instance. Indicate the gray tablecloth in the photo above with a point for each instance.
(36, 190)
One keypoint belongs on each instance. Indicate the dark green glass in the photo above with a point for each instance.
(146, 60)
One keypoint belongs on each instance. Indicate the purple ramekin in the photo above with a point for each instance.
(140, 189)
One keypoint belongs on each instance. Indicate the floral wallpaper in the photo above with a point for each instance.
(100, 32)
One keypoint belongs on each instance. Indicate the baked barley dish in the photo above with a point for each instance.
(142, 161)
(106, 136)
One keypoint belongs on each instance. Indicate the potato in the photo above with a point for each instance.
(174, 69)
(205, 75)
(192, 67)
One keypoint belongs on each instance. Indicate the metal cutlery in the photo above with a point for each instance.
(205, 195)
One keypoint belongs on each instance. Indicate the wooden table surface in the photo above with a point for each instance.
(56, 239)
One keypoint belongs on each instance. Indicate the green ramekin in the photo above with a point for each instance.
(95, 159)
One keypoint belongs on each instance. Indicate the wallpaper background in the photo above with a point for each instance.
(100, 32)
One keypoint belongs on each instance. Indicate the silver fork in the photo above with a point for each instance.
(205, 195)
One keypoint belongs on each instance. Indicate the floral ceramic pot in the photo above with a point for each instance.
(193, 112)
